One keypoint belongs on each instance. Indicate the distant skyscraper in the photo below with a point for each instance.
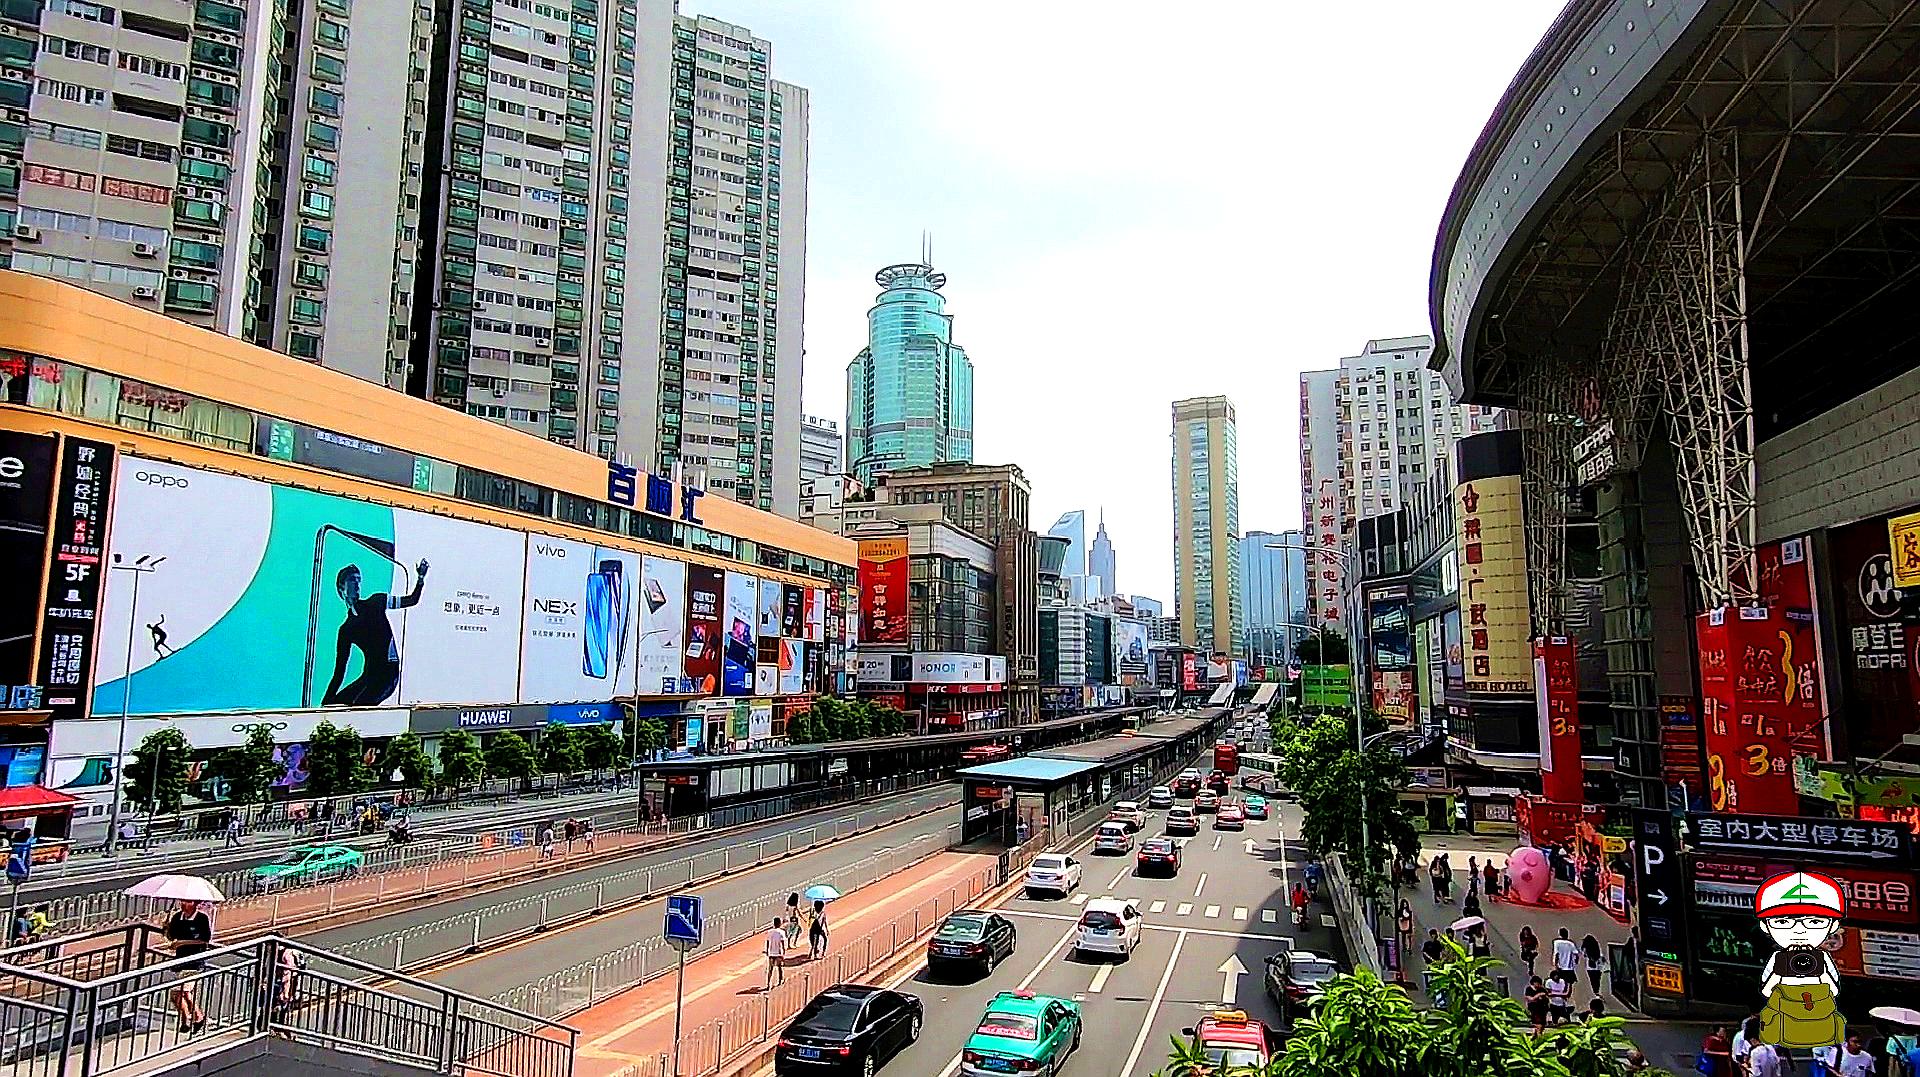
(1147, 607)
(910, 390)
(1273, 592)
(1072, 526)
(1100, 559)
(819, 448)
(1206, 520)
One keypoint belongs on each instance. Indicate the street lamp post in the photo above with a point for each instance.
(138, 567)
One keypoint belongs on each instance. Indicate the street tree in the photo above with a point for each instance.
(510, 756)
(249, 770)
(1347, 795)
(646, 735)
(599, 747)
(406, 756)
(560, 752)
(155, 778)
(460, 759)
(336, 761)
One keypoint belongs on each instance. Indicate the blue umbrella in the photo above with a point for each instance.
(821, 892)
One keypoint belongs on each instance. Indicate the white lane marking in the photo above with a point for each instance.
(1100, 974)
(1158, 906)
(1268, 916)
(1239, 912)
(1153, 1005)
(1079, 899)
(1213, 912)
(1184, 909)
(1216, 843)
(1116, 879)
(1201, 885)
(1286, 882)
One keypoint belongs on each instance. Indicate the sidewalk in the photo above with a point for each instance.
(726, 990)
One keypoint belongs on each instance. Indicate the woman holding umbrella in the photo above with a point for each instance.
(188, 933)
(819, 894)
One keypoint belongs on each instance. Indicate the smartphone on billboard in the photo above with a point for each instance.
(604, 634)
(339, 557)
(739, 649)
(697, 641)
(656, 596)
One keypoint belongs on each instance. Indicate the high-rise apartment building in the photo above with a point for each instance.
(992, 501)
(1206, 522)
(819, 448)
(1273, 593)
(1371, 430)
(1100, 560)
(567, 219)
(1072, 526)
(910, 390)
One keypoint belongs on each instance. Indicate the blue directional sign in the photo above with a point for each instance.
(20, 860)
(685, 921)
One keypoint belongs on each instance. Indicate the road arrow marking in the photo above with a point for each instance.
(1232, 969)
(1248, 844)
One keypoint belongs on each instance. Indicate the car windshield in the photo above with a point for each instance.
(1101, 919)
(1010, 1026)
(1049, 863)
(1312, 971)
(294, 856)
(1223, 1056)
(830, 1013)
(969, 928)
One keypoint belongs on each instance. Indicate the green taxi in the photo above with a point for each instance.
(1256, 807)
(308, 864)
(1023, 1033)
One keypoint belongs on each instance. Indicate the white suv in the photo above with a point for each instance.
(1130, 813)
(1108, 926)
(1113, 837)
(1053, 873)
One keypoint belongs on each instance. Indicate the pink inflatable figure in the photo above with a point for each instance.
(1531, 874)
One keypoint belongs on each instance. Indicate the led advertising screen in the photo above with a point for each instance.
(743, 592)
(883, 590)
(581, 619)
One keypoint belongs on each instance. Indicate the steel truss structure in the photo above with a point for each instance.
(1548, 429)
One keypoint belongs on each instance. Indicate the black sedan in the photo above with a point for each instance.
(1158, 855)
(849, 1028)
(971, 938)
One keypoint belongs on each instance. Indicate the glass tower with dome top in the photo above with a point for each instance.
(910, 390)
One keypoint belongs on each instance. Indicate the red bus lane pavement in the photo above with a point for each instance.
(726, 1004)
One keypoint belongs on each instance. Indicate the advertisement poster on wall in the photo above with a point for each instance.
(766, 666)
(883, 591)
(704, 637)
(816, 615)
(768, 623)
(1393, 697)
(26, 504)
(1490, 545)
(1130, 645)
(309, 600)
(760, 720)
(663, 629)
(793, 612)
(792, 666)
(582, 605)
(742, 600)
(1388, 630)
(1878, 634)
(69, 622)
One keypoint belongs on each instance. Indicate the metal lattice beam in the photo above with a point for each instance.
(1547, 433)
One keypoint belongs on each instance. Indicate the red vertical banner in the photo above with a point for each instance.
(1557, 702)
(1757, 707)
(883, 590)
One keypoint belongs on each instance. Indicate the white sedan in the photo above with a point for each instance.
(1053, 873)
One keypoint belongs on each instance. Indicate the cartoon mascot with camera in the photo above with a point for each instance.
(1801, 910)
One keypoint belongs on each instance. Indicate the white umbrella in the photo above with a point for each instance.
(176, 888)
(1466, 923)
(1899, 1015)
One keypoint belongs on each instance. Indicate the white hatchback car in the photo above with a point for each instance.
(1130, 813)
(1053, 873)
(1108, 926)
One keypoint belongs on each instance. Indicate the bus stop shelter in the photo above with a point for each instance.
(998, 797)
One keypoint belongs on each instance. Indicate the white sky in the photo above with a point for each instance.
(1133, 208)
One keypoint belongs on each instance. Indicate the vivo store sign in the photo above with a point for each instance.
(938, 667)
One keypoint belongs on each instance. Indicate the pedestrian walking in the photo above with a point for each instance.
(1595, 960)
(572, 831)
(1477, 944)
(776, 954)
(1566, 954)
(189, 933)
(817, 932)
(1404, 923)
(1491, 876)
(546, 842)
(1716, 1054)
(793, 919)
(1473, 871)
(233, 830)
(1433, 949)
(1743, 1042)
(1596, 1009)
(1560, 998)
(1765, 1061)
(586, 831)
(1853, 1059)
(1536, 999)
(1436, 873)
(1470, 905)
(1529, 947)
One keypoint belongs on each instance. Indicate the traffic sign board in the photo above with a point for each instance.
(685, 921)
(20, 860)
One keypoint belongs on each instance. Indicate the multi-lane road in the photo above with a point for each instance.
(1208, 934)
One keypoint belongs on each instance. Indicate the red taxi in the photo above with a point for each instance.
(1231, 1040)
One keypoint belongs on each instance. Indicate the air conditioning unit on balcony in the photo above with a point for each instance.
(146, 293)
(145, 250)
(26, 233)
(499, 392)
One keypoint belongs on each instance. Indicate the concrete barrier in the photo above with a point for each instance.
(1356, 927)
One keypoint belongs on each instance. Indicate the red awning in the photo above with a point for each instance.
(34, 800)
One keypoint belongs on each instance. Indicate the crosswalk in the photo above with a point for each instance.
(1239, 913)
